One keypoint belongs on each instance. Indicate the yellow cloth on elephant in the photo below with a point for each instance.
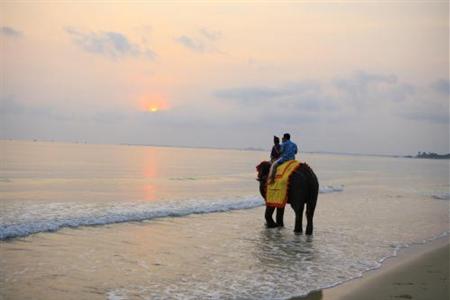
(277, 192)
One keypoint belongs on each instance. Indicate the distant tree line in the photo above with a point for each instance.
(432, 155)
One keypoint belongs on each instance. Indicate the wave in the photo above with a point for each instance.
(331, 189)
(54, 216)
(183, 178)
(89, 216)
(441, 196)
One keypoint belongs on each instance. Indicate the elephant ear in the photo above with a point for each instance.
(263, 168)
(260, 166)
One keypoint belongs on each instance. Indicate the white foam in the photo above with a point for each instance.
(183, 178)
(441, 196)
(60, 215)
(331, 189)
(116, 295)
(54, 216)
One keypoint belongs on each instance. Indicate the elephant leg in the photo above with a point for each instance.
(268, 215)
(299, 219)
(280, 214)
(309, 218)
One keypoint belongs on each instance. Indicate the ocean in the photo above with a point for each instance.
(82, 221)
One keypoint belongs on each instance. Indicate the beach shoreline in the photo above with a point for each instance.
(418, 272)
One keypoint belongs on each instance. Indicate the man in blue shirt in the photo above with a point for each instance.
(288, 151)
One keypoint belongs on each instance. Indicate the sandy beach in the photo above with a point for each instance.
(419, 272)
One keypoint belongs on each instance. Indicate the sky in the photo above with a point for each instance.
(345, 76)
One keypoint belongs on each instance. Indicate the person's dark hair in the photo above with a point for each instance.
(286, 136)
(276, 140)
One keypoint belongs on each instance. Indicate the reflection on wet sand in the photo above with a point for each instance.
(281, 244)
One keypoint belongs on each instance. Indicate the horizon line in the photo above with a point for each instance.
(249, 148)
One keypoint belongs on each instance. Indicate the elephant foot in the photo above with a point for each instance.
(274, 225)
(298, 232)
(280, 224)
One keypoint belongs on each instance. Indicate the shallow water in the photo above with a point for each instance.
(201, 230)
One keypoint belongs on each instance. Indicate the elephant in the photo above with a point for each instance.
(303, 189)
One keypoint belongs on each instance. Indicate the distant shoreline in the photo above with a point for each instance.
(430, 155)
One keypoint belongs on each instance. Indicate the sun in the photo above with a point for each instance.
(153, 103)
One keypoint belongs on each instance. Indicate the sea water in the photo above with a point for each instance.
(84, 221)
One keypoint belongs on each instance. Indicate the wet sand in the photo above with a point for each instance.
(419, 272)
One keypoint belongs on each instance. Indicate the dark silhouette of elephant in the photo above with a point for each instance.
(303, 190)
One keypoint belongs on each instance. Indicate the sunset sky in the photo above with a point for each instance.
(346, 76)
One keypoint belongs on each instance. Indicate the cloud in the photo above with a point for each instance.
(441, 86)
(363, 89)
(437, 117)
(201, 42)
(108, 43)
(191, 43)
(211, 35)
(429, 104)
(249, 95)
(365, 78)
(259, 94)
(289, 104)
(360, 82)
(9, 106)
(295, 101)
(356, 96)
(10, 32)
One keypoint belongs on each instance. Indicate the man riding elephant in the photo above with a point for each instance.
(276, 149)
(288, 151)
(297, 184)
